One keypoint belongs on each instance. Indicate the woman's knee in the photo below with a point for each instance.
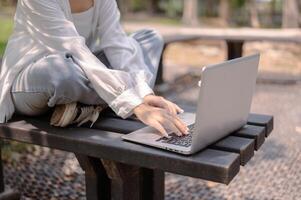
(46, 74)
(71, 84)
(30, 103)
(63, 70)
(56, 75)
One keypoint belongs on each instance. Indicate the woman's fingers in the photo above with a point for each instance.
(168, 106)
(160, 128)
(172, 108)
(181, 126)
(179, 110)
(175, 108)
(161, 102)
(171, 126)
(161, 119)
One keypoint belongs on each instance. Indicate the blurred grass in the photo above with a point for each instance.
(6, 27)
(144, 19)
(167, 21)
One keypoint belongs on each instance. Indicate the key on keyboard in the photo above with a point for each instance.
(184, 141)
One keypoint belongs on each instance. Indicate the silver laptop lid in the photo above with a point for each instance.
(225, 99)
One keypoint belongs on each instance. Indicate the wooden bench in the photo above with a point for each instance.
(116, 169)
(234, 38)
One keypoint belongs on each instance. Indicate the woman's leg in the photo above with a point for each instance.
(54, 79)
(151, 43)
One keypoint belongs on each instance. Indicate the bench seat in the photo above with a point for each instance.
(210, 164)
(219, 163)
(113, 166)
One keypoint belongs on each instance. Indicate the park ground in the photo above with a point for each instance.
(273, 173)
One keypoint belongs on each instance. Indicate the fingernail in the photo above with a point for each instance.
(181, 111)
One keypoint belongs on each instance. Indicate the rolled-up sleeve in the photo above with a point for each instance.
(47, 24)
(123, 52)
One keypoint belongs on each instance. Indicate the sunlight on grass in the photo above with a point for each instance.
(154, 19)
(166, 21)
(6, 27)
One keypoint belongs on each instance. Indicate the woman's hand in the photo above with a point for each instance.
(160, 119)
(161, 102)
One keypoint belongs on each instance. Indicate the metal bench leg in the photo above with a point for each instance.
(8, 194)
(134, 183)
(97, 182)
(235, 49)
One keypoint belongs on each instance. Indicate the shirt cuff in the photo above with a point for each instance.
(125, 103)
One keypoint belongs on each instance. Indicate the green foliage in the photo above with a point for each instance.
(166, 21)
(172, 8)
(5, 31)
(11, 149)
(209, 8)
(238, 3)
(8, 2)
(138, 5)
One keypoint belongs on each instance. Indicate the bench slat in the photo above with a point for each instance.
(117, 125)
(253, 132)
(266, 121)
(213, 165)
(243, 146)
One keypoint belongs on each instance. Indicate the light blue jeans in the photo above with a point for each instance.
(43, 85)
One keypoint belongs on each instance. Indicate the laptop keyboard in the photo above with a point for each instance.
(184, 140)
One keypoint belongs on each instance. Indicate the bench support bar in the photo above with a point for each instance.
(134, 183)
(106, 179)
(9, 195)
(235, 49)
(97, 181)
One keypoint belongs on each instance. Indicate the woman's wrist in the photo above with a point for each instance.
(137, 110)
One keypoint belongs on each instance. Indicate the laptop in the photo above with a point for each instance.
(224, 103)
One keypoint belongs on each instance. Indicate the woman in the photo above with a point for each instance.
(49, 62)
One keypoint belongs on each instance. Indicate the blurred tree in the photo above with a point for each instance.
(153, 6)
(239, 13)
(253, 13)
(224, 11)
(290, 14)
(124, 6)
(172, 8)
(190, 13)
(8, 2)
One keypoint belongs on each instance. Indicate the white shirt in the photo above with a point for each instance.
(45, 26)
(83, 21)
